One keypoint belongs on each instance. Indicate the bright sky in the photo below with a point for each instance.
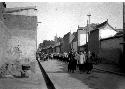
(61, 17)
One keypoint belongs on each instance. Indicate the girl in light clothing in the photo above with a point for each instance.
(81, 61)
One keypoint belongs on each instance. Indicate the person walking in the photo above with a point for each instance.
(84, 62)
(89, 63)
(72, 62)
(81, 62)
(77, 57)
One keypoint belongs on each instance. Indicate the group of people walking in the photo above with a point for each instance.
(81, 61)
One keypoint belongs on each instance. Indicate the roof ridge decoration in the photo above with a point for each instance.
(102, 25)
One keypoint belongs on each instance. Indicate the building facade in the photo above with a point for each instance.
(66, 43)
(100, 31)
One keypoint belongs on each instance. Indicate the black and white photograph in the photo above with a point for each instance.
(62, 45)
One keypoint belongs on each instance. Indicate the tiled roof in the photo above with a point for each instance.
(92, 26)
(67, 34)
(102, 24)
(98, 26)
(75, 37)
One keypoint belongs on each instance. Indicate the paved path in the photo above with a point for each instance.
(57, 72)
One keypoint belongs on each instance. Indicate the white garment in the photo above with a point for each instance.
(82, 58)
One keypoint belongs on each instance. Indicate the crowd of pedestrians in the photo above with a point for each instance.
(77, 61)
(80, 61)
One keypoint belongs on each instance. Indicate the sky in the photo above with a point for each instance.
(63, 17)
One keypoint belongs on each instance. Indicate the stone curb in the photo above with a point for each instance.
(48, 82)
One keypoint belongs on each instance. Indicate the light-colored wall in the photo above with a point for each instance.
(4, 35)
(26, 44)
(81, 37)
(23, 34)
(106, 32)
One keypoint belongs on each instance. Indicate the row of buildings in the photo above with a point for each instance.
(102, 39)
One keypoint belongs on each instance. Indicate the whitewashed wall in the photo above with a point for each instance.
(106, 32)
(4, 35)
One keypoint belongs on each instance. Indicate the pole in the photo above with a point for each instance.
(123, 55)
(36, 26)
(89, 17)
(88, 31)
(87, 38)
(123, 28)
(36, 39)
(77, 40)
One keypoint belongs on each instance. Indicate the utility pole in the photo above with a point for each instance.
(88, 33)
(87, 38)
(89, 15)
(124, 27)
(123, 55)
(36, 34)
